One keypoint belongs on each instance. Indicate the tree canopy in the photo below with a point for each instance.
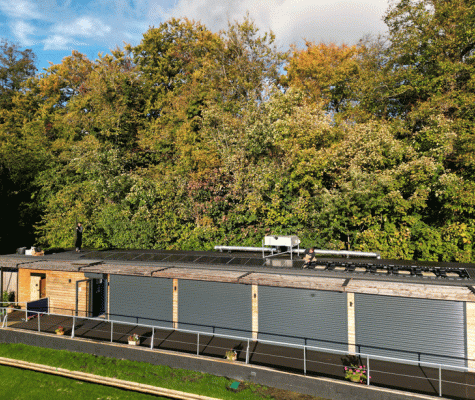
(195, 138)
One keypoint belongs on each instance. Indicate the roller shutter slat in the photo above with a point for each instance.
(301, 316)
(415, 329)
(222, 308)
(143, 300)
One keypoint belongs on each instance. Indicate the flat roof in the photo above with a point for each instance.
(443, 281)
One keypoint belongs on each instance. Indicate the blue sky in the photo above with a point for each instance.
(53, 28)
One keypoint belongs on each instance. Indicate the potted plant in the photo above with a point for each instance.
(134, 339)
(231, 355)
(60, 330)
(356, 373)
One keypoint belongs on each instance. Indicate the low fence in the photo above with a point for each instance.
(297, 355)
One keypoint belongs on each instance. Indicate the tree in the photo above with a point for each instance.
(17, 163)
(328, 74)
(15, 68)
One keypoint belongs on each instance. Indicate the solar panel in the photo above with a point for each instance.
(94, 254)
(238, 261)
(159, 257)
(255, 262)
(205, 260)
(338, 265)
(174, 258)
(144, 257)
(220, 260)
(191, 259)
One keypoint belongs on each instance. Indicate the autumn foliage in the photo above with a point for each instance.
(194, 138)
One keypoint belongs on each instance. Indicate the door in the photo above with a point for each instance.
(98, 296)
(35, 287)
(215, 307)
(42, 287)
(302, 316)
(412, 329)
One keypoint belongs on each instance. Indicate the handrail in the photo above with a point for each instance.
(291, 345)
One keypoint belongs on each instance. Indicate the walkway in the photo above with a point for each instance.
(413, 378)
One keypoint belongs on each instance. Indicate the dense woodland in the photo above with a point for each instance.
(195, 138)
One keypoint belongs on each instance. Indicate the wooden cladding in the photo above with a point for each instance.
(58, 286)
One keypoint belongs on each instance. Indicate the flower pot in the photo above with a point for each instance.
(134, 343)
(60, 333)
(355, 378)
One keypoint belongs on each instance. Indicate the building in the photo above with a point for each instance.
(416, 311)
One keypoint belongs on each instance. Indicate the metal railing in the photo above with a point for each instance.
(76, 324)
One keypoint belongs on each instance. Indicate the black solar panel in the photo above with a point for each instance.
(159, 257)
(255, 262)
(220, 260)
(190, 259)
(174, 258)
(338, 265)
(95, 254)
(205, 260)
(144, 257)
(238, 261)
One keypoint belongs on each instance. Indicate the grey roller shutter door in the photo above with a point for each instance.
(141, 300)
(212, 307)
(300, 316)
(415, 329)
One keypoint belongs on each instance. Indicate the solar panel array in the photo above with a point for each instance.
(395, 268)
(182, 258)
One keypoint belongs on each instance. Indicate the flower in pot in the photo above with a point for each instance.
(231, 355)
(60, 330)
(134, 339)
(356, 373)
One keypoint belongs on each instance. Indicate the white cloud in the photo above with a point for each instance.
(59, 42)
(22, 30)
(83, 27)
(20, 9)
(293, 20)
(323, 21)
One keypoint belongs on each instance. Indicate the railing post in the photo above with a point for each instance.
(305, 360)
(440, 380)
(153, 338)
(198, 344)
(112, 329)
(247, 352)
(367, 370)
(74, 325)
(26, 313)
(5, 319)
(39, 321)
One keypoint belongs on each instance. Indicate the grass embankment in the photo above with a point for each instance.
(19, 384)
(156, 375)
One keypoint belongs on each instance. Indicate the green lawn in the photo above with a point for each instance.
(156, 375)
(18, 384)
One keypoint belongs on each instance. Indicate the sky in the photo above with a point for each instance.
(53, 28)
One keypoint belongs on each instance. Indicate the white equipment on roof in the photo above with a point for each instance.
(289, 242)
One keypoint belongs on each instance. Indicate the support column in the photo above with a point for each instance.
(255, 311)
(470, 321)
(350, 299)
(175, 303)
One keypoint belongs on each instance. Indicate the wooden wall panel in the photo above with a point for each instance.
(351, 323)
(10, 281)
(60, 288)
(255, 311)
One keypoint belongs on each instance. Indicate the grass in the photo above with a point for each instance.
(18, 384)
(156, 375)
